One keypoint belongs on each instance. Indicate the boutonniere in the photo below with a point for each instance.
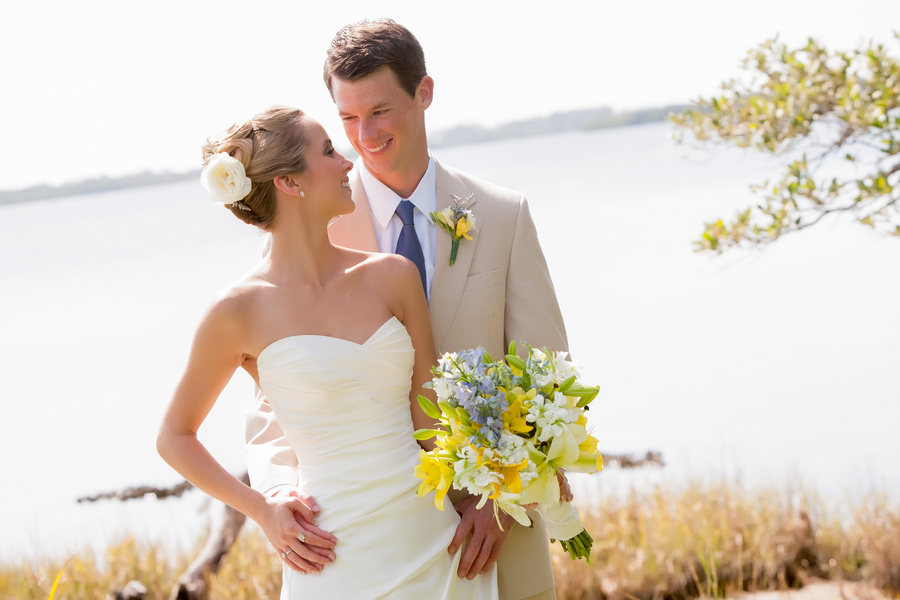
(458, 222)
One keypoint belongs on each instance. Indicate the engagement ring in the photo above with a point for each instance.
(302, 536)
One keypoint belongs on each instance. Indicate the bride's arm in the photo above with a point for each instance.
(414, 315)
(217, 351)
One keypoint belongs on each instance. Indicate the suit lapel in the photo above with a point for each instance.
(449, 282)
(355, 230)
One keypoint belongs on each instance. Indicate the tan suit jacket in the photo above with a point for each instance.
(498, 290)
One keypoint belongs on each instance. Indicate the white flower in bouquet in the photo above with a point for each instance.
(550, 416)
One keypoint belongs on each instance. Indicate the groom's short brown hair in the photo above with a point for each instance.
(360, 49)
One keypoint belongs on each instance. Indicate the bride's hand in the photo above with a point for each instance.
(287, 519)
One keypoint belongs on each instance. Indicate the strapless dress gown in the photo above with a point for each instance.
(344, 408)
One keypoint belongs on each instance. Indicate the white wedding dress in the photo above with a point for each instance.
(344, 408)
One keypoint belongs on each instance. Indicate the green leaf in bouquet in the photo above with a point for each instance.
(587, 399)
(549, 356)
(468, 430)
(535, 455)
(448, 409)
(426, 434)
(587, 462)
(428, 407)
(514, 361)
(579, 391)
(567, 383)
(512, 346)
(487, 358)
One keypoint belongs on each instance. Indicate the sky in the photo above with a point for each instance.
(95, 88)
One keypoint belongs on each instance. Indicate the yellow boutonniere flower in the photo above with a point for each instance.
(456, 220)
(462, 228)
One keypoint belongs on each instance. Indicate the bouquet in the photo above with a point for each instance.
(506, 428)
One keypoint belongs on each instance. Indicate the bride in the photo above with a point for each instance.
(331, 336)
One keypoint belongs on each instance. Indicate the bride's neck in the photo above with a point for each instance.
(301, 252)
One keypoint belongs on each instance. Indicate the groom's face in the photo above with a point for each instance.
(385, 125)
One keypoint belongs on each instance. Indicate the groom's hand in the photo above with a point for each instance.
(487, 538)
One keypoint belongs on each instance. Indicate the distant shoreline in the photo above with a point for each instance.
(577, 120)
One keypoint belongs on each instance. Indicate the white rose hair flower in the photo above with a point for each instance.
(225, 179)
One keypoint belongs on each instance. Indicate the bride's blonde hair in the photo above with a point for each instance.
(269, 145)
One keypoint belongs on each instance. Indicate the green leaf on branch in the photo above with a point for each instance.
(791, 90)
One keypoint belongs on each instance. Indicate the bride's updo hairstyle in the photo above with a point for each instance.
(269, 145)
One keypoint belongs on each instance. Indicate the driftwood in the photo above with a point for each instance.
(141, 491)
(193, 584)
(626, 461)
(133, 590)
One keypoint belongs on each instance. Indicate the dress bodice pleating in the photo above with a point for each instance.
(344, 408)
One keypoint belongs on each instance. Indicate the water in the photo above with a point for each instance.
(772, 367)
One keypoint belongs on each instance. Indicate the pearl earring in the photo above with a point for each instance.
(302, 195)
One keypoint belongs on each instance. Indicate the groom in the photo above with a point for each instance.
(498, 289)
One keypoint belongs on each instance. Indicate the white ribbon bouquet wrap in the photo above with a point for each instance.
(507, 427)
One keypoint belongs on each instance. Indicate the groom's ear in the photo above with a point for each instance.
(425, 91)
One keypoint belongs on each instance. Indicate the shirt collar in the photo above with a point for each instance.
(383, 201)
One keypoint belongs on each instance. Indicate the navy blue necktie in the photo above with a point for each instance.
(408, 243)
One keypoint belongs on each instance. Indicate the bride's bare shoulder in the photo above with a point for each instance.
(390, 268)
(238, 299)
(355, 257)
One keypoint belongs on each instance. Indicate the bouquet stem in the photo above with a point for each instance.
(453, 250)
(579, 546)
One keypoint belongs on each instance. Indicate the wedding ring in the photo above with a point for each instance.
(302, 536)
(284, 554)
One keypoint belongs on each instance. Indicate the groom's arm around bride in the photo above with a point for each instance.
(498, 289)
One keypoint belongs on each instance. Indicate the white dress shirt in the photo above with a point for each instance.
(383, 203)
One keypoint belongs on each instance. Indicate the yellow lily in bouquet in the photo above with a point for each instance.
(436, 474)
(506, 428)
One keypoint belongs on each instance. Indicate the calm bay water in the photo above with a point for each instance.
(770, 368)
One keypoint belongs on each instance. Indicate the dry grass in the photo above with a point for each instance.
(700, 541)
(714, 541)
(82, 578)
